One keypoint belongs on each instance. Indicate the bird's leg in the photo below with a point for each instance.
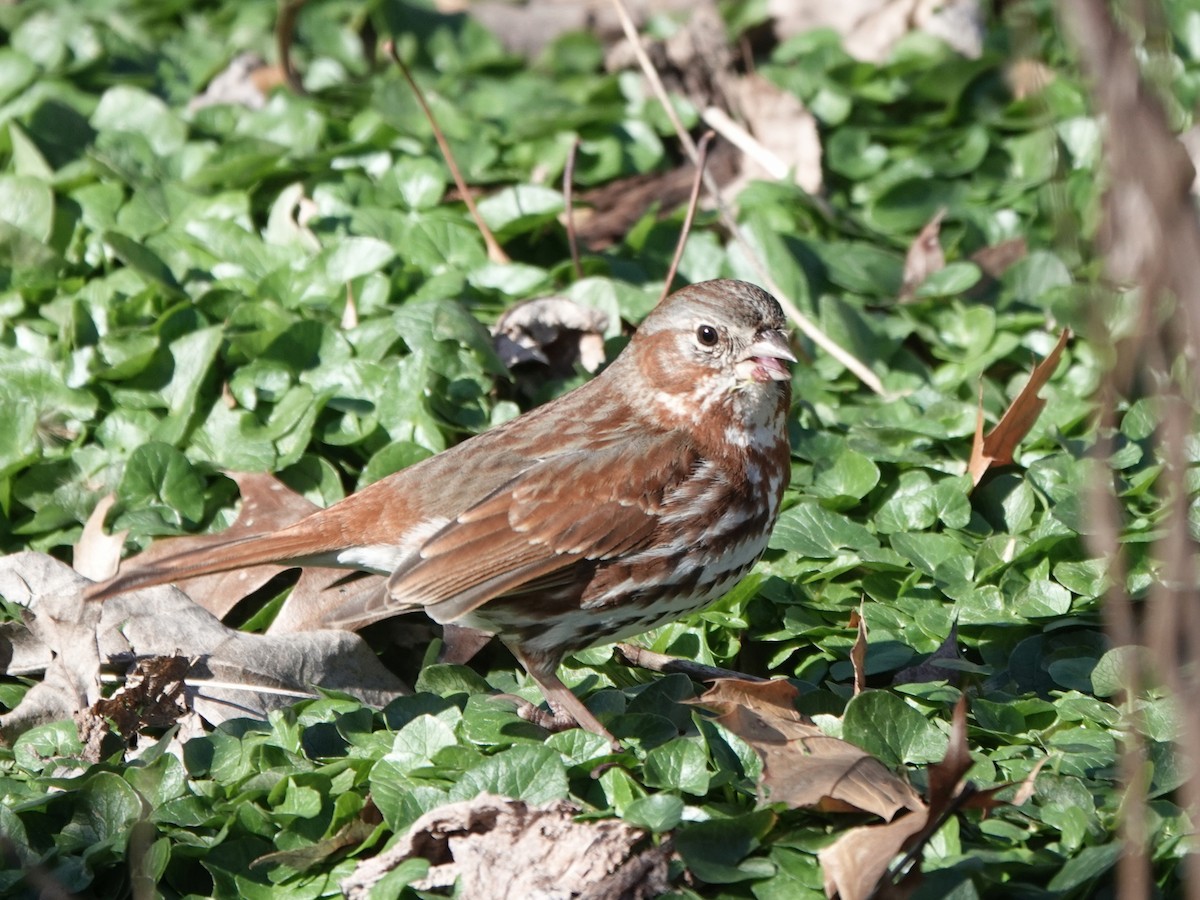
(567, 709)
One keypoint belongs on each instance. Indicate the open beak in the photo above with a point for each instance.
(765, 358)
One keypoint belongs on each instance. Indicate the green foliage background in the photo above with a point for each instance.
(149, 256)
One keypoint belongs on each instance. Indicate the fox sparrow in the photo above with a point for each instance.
(629, 502)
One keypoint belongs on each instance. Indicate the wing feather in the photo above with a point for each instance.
(536, 533)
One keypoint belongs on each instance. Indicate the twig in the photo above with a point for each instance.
(199, 683)
(689, 216)
(494, 251)
(922, 838)
(720, 122)
(805, 324)
(569, 202)
(641, 658)
(285, 30)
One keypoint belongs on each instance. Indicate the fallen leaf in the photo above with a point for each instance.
(496, 848)
(786, 144)
(858, 653)
(997, 259)
(237, 674)
(1026, 77)
(873, 36)
(58, 638)
(246, 81)
(802, 766)
(554, 331)
(153, 696)
(97, 553)
(612, 209)
(924, 256)
(854, 864)
(1001, 442)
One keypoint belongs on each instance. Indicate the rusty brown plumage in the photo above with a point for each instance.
(629, 502)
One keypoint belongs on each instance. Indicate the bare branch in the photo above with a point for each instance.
(569, 203)
(494, 251)
(689, 216)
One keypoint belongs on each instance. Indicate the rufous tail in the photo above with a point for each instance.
(292, 545)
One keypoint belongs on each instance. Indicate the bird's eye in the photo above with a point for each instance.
(707, 335)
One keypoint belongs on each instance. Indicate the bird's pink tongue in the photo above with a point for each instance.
(763, 369)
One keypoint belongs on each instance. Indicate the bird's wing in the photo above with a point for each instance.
(529, 534)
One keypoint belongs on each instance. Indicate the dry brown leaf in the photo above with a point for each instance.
(787, 142)
(858, 653)
(958, 22)
(460, 644)
(854, 864)
(944, 776)
(497, 848)
(58, 638)
(997, 259)
(238, 674)
(152, 697)
(246, 81)
(98, 553)
(317, 592)
(1026, 77)
(998, 446)
(924, 256)
(803, 767)
(554, 331)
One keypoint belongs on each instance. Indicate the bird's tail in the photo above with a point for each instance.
(295, 545)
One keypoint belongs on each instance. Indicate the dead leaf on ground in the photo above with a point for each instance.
(58, 640)
(786, 142)
(612, 209)
(858, 653)
(246, 81)
(556, 332)
(235, 674)
(924, 257)
(854, 864)
(153, 696)
(497, 848)
(996, 259)
(1026, 77)
(873, 36)
(998, 447)
(97, 553)
(802, 766)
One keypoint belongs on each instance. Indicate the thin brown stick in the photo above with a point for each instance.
(803, 322)
(681, 244)
(285, 30)
(569, 203)
(641, 658)
(494, 251)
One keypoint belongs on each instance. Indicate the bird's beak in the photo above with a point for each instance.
(764, 359)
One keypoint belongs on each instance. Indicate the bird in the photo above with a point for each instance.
(631, 501)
